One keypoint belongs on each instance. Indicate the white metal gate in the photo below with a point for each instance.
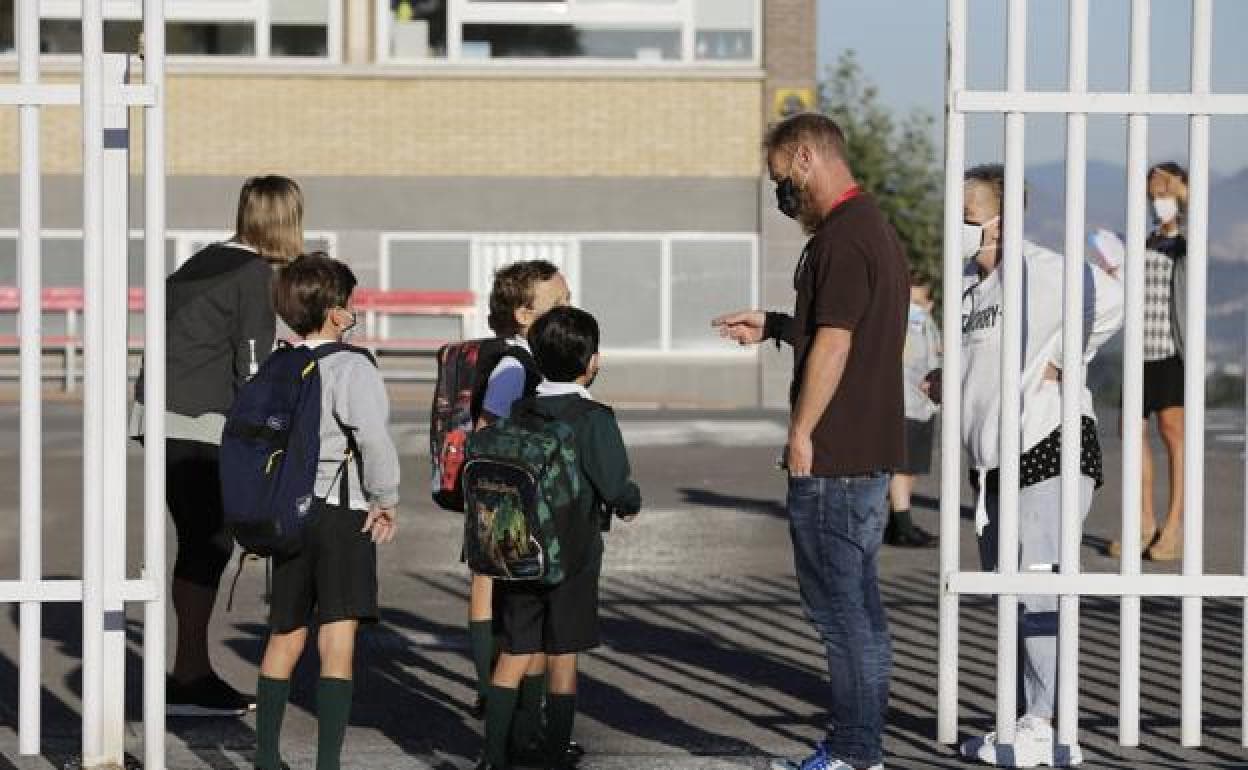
(105, 99)
(1130, 585)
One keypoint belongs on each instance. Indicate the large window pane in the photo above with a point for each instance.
(708, 278)
(299, 40)
(428, 266)
(417, 29)
(63, 36)
(497, 41)
(620, 285)
(7, 34)
(724, 29)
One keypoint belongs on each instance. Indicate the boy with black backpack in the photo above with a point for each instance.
(540, 488)
(330, 568)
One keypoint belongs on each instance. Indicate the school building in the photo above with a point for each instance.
(438, 139)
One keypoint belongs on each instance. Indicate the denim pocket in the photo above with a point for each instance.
(803, 487)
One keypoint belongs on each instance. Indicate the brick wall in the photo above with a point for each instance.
(320, 124)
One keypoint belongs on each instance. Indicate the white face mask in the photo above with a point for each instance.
(1165, 209)
(973, 238)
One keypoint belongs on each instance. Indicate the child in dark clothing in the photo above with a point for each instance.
(561, 621)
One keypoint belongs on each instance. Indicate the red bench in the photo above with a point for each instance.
(373, 304)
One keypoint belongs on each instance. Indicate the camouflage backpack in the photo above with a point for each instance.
(521, 482)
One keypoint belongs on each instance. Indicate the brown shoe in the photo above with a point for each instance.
(1114, 551)
(1160, 551)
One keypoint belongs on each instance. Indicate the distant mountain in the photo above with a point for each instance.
(1107, 201)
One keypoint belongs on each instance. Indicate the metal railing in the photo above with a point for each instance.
(1071, 583)
(104, 98)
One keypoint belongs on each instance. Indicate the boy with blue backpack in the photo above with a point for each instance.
(540, 487)
(331, 485)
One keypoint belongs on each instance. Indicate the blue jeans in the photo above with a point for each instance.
(837, 525)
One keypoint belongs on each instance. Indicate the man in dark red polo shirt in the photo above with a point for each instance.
(846, 432)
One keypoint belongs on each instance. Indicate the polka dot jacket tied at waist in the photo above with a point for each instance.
(1044, 461)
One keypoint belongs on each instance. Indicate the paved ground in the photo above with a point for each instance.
(708, 662)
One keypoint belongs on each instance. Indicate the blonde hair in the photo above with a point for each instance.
(1175, 178)
(270, 217)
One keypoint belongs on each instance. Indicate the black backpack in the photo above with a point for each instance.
(271, 448)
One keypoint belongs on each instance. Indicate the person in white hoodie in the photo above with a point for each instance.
(1039, 503)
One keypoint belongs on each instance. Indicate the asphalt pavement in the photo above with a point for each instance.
(707, 661)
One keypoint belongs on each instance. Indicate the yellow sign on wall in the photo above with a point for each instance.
(791, 101)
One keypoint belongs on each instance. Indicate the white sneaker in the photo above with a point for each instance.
(1033, 746)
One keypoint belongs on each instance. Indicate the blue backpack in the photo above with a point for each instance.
(271, 447)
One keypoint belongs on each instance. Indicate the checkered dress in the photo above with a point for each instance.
(1158, 332)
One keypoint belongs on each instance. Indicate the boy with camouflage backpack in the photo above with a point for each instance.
(540, 487)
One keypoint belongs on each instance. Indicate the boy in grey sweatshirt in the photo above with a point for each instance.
(335, 571)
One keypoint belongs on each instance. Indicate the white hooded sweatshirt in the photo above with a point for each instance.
(982, 319)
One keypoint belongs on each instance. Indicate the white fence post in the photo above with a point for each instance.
(115, 179)
(93, 385)
(30, 322)
(154, 387)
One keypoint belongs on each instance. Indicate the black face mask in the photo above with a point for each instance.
(788, 199)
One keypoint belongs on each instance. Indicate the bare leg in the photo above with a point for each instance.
(1169, 545)
(899, 491)
(282, 653)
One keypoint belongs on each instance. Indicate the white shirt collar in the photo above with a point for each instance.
(521, 342)
(548, 388)
(240, 245)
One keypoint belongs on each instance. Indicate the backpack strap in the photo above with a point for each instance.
(329, 348)
(488, 363)
(353, 448)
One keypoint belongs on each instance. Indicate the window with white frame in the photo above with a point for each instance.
(256, 29)
(641, 32)
(652, 293)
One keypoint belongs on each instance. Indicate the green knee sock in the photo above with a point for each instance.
(271, 697)
(561, 713)
(481, 633)
(526, 726)
(500, 706)
(333, 709)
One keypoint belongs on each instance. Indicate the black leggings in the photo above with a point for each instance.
(193, 493)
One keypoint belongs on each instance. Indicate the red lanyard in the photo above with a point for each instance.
(853, 192)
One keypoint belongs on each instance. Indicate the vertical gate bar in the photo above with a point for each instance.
(1243, 687)
(30, 319)
(1133, 446)
(92, 257)
(951, 425)
(154, 613)
(114, 312)
(1194, 373)
(1072, 375)
(1011, 366)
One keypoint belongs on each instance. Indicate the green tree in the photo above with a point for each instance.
(893, 160)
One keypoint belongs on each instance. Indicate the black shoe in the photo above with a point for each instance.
(284, 767)
(535, 756)
(485, 764)
(208, 696)
(913, 537)
(477, 710)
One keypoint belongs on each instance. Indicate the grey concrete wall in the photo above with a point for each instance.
(451, 203)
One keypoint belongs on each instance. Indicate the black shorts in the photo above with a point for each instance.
(1163, 384)
(334, 573)
(557, 620)
(193, 494)
(919, 447)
